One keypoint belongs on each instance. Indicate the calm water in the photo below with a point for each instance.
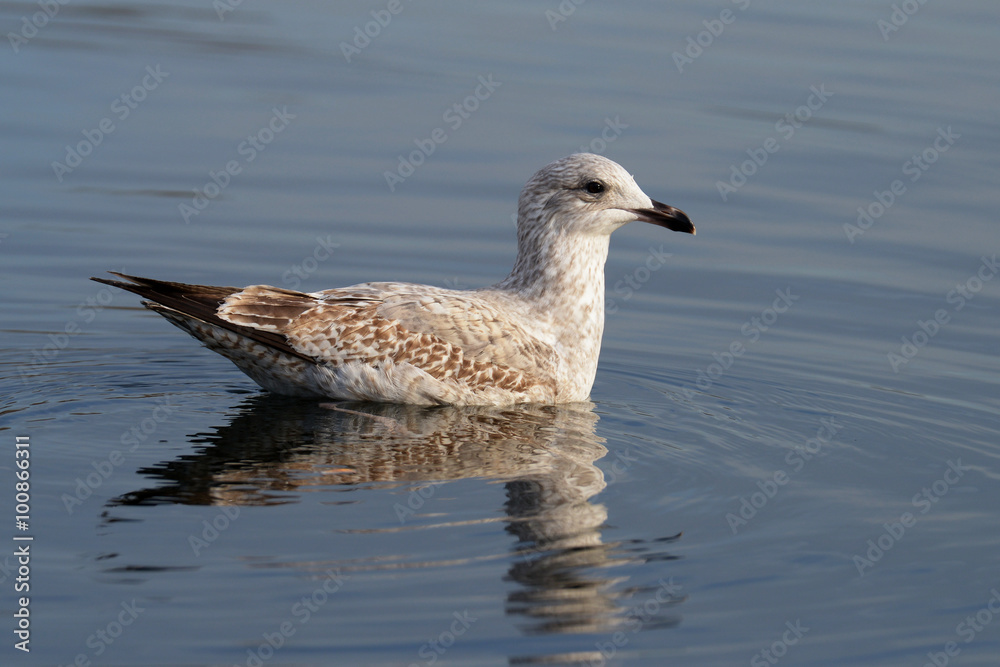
(792, 453)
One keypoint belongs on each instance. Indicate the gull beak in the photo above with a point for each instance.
(663, 215)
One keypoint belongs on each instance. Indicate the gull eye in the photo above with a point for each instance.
(594, 187)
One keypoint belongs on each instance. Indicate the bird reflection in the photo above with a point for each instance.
(544, 455)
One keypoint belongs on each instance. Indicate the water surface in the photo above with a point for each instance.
(791, 452)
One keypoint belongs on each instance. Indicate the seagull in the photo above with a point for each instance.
(534, 337)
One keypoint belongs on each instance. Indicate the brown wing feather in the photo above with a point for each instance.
(200, 302)
(483, 333)
(348, 325)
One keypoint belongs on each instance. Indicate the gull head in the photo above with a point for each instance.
(591, 195)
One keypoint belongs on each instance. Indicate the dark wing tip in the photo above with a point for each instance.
(198, 302)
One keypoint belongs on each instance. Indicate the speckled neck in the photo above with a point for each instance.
(560, 275)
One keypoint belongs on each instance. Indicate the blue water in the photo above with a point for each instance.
(792, 450)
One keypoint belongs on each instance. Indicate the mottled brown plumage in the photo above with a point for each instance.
(534, 337)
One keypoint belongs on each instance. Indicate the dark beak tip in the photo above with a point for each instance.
(688, 225)
(667, 216)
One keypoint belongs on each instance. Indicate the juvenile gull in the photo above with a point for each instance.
(532, 338)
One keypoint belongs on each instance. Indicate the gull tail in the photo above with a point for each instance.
(196, 301)
(195, 309)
